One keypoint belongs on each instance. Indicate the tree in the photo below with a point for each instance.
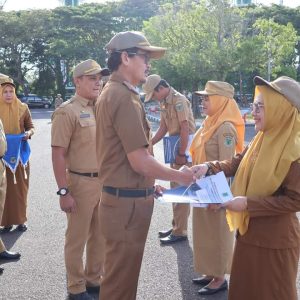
(201, 39)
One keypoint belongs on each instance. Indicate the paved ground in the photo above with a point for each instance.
(40, 275)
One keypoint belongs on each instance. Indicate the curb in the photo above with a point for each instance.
(198, 124)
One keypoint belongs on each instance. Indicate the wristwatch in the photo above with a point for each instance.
(182, 155)
(62, 191)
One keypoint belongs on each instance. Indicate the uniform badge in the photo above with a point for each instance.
(179, 106)
(228, 142)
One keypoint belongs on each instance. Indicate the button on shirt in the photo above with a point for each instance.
(122, 128)
(176, 109)
(74, 128)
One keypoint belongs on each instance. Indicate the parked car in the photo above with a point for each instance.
(34, 101)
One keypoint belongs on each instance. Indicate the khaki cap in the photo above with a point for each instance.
(151, 83)
(6, 80)
(89, 67)
(131, 39)
(284, 85)
(217, 88)
(3, 77)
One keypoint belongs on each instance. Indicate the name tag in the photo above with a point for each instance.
(83, 116)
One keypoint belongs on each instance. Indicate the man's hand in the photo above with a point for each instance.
(236, 204)
(199, 170)
(187, 176)
(180, 160)
(67, 203)
(158, 190)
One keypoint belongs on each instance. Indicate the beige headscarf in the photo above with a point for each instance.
(223, 109)
(270, 155)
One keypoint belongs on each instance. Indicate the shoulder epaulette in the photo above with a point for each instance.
(130, 87)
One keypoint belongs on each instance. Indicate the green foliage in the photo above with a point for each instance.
(206, 40)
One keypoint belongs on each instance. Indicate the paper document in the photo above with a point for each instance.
(212, 189)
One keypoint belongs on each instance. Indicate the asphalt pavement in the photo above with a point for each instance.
(40, 273)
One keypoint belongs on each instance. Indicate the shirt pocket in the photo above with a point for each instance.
(88, 129)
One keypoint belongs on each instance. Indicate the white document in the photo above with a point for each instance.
(212, 189)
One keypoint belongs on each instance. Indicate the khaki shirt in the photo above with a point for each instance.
(222, 143)
(176, 109)
(74, 128)
(3, 146)
(122, 128)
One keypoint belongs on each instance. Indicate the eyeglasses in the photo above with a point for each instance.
(256, 107)
(145, 56)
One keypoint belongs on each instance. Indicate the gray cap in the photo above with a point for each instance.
(131, 39)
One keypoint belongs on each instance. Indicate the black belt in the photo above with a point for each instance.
(85, 174)
(128, 193)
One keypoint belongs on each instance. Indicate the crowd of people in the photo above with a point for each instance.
(105, 170)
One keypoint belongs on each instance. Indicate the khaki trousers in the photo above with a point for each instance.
(83, 230)
(2, 197)
(125, 223)
(181, 212)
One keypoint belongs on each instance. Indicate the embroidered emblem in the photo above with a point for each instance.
(179, 106)
(228, 142)
(13, 160)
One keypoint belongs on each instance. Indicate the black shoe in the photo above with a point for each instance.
(22, 227)
(164, 233)
(1, 271)
(208, 291)
(173, 239)
(6, 229)
(7, 255)
(93, 289)
(80, 296)
(202, 280)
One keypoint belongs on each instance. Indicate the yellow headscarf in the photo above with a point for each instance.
(270, 155)
(10, 113)
(223, 109)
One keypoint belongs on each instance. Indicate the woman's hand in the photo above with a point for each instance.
(199, 170)
(26, 136)
(236, 204)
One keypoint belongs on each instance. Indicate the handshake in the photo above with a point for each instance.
(193, 173)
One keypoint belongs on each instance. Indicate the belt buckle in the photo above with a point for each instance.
(92, 175)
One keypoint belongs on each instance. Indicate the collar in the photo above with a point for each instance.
(83, 101)
(169, 98)
(121, 79)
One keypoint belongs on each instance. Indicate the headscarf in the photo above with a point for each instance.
(10, 112)
(223, 109)
(270, 155)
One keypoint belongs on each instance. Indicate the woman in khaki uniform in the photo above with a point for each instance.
(16, 119)
(221, 135)
(267, 196)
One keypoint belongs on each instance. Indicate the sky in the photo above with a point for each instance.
(39, 4)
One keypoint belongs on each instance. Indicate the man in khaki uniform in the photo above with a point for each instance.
(75, 167)
(177, 120)
(127, 168)
(4, 254)
(58, 101)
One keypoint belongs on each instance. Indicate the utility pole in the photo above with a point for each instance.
(2, 3)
